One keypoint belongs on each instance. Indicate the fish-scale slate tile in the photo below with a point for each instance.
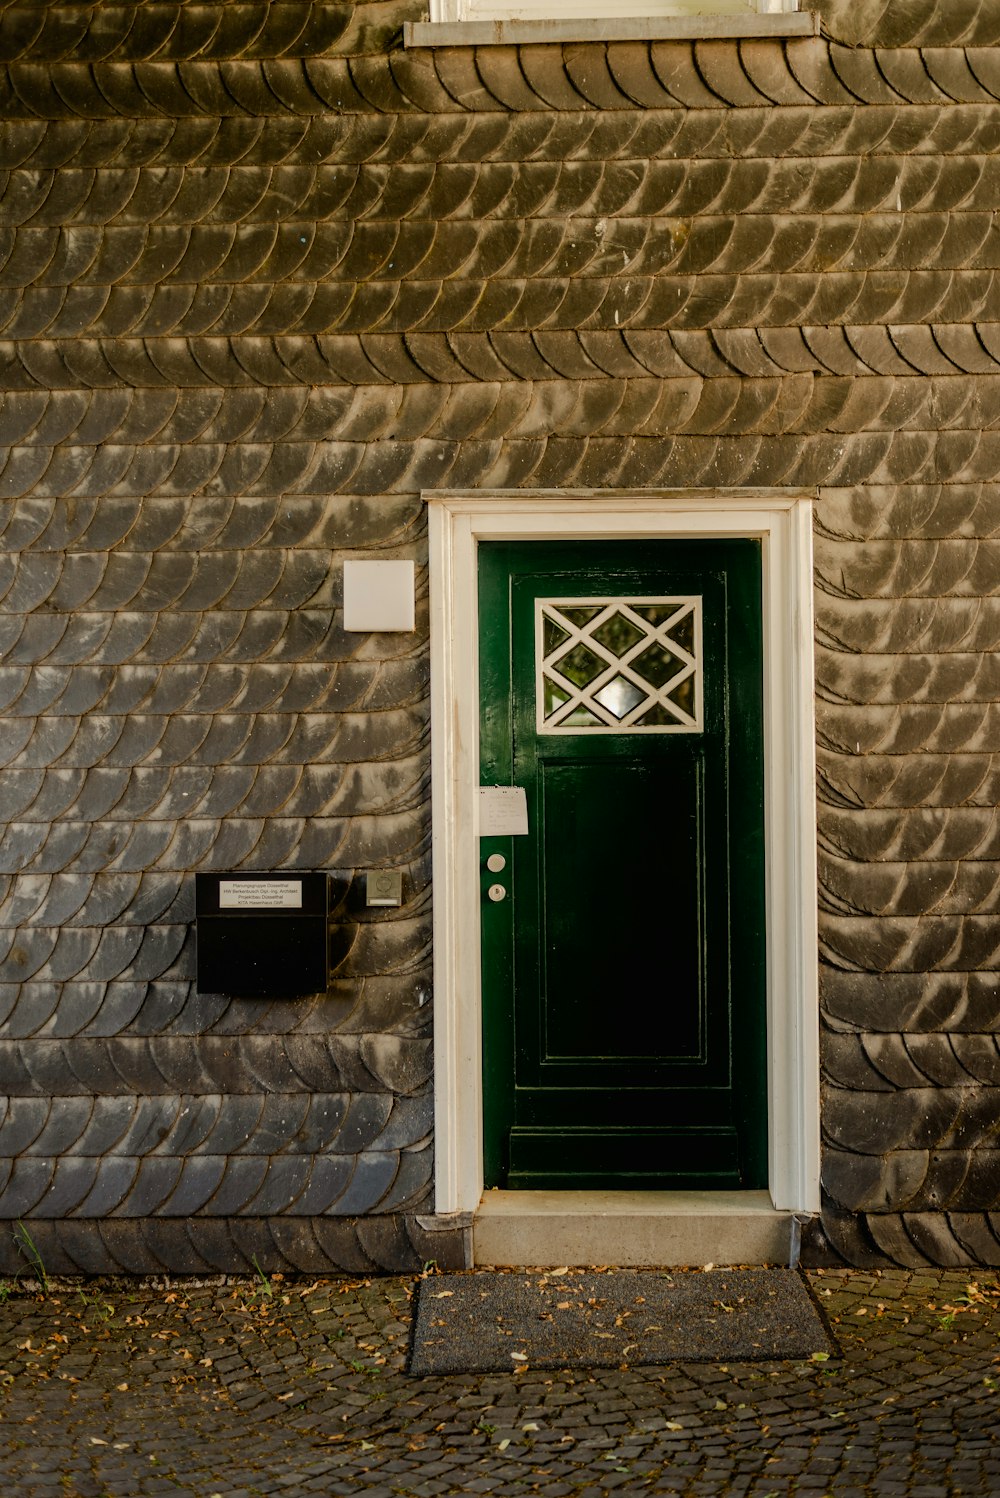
(805, 402)
(872, 1123)
(165, 29)
(755, 135)
(200, 1184)
(235, 351)
(225, 364)
(532, 461)
(306, 28)
(572, 77)
(219, 1124)
(587, 244)
(872, 22)
(396, 1003)
(318, 1245)
(913, 1180)
(880, 1063)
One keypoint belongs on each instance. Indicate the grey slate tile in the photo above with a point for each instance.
(112, 1184)
(341, 1240)
(329, 1178)
(139, 1247)
(69, 1122)
(372, 1178)
(72, 1182)
(413, 1183)
(410, 1122)
(14, 1076)
(242, 1178)
(349, 1132)
(162, 948)
(195, 1187)
(26, 956)
(387, 1239)
(20, 898)
(207, 1240)
(153, 1187)
(71, 954)
(23, 1122)
(284, 1182)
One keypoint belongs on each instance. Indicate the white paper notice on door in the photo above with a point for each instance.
(503, 811)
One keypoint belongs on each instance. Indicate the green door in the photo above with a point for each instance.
(623, 936)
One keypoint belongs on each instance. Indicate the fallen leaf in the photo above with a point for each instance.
(674, 1425)
(502, 1445)
(521, 1357)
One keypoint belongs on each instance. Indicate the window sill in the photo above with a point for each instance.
(617, 29)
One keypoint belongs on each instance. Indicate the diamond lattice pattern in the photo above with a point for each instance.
(619, 665)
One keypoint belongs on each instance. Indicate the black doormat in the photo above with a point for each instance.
(492, 1321)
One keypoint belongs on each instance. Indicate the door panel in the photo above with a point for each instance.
(602, 838)
(623, 973)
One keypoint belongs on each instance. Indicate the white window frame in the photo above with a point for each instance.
(490, 23)
(782, 521)
(535, 10)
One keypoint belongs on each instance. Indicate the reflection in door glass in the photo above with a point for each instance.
(619, 665)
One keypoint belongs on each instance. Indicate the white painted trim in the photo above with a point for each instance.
(452, 25)
(782, 520)
(708, 16)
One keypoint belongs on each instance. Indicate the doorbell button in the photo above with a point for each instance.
(496, 863)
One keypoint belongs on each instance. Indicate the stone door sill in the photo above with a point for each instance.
(546, 1229)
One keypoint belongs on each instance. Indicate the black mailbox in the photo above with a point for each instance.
(264, 935)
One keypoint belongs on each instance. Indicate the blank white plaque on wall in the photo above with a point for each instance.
(378, 596)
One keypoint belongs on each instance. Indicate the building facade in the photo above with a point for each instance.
(286, 286)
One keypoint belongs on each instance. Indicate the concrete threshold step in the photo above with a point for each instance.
(545, 1229)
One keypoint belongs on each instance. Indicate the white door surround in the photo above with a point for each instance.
(782, 521)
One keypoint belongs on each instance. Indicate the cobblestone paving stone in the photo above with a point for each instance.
(239, 1389)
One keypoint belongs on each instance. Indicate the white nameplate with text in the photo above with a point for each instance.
(261, 894)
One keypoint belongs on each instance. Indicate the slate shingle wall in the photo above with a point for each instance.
(263, 276)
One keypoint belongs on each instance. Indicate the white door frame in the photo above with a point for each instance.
(782, 520)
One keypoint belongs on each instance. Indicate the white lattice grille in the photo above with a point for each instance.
(618, 665)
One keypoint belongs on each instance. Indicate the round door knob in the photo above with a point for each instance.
(496, 863)
(497, 892)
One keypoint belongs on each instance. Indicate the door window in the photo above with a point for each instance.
(618, 665)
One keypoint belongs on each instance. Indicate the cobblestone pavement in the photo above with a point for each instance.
(299, 1387)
